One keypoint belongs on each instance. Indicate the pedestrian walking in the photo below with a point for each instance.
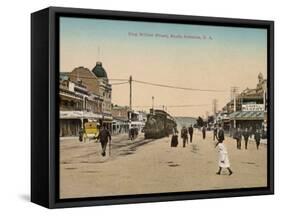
(81, 134)
(251, 131)
(104, 136)
(133, 132)
(257, 137)
(223, 161)
(263, 133)
(184, 135)
(246, 135)
(136, 132)
(238, 137)
(174, 140)
(130, 133)
(220, 134)
(190, 131)
(215, 133)
(204, 132)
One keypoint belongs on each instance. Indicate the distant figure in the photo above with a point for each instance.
(220, 134)
(130, 134)
(174, 140)
(184, 135)
(81, 134)
(204, 132)
(223, 158)
(251, 131)
(246, 135)
(238, 137)
(215, 133)
(136, 132)
(104, 136)
(133, 133)
(190, 131)
(263, 133)
(257, 138)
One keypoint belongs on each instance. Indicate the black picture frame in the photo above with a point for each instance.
(45, 112)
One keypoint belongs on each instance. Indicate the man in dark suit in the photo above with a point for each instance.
(246, 135)
(238, 137)
(220, 134)
(257, 138)
(104, 136)
(215, 133)
(190, 131)
(204, 132)
(184, 135)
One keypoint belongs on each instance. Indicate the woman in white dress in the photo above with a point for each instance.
(223, 158)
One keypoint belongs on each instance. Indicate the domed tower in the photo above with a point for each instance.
(260, 77)
(99, 71)
(261, 86)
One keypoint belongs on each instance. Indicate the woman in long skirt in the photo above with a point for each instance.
(223, 158)
(174, 140)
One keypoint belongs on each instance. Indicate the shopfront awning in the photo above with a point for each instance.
(79, 115)
(247, 115)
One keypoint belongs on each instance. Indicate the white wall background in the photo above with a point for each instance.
(15, 106)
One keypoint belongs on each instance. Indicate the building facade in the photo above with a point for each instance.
(77, 106)
(251, 107)
(85, 96)
(120, 123)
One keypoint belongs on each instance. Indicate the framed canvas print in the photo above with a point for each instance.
(138, 107)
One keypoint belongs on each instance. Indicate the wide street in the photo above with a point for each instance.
(152, 166)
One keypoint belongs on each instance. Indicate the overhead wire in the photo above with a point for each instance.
(153, 84)
(119, 83)
(177, 87)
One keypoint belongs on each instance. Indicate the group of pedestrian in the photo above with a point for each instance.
(246, 133)
(185, 134)
(223, 161)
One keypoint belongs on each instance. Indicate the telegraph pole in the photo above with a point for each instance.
(234, 91)
(215, 105)
(130, 110)
(130, 82)
(152, 104)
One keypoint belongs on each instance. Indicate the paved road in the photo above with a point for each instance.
(152, 166)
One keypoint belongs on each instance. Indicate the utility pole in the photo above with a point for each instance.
(130, 110)
(152, 104)
(233, 93)
(215, 105)
(265, 99)
(130, 82)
